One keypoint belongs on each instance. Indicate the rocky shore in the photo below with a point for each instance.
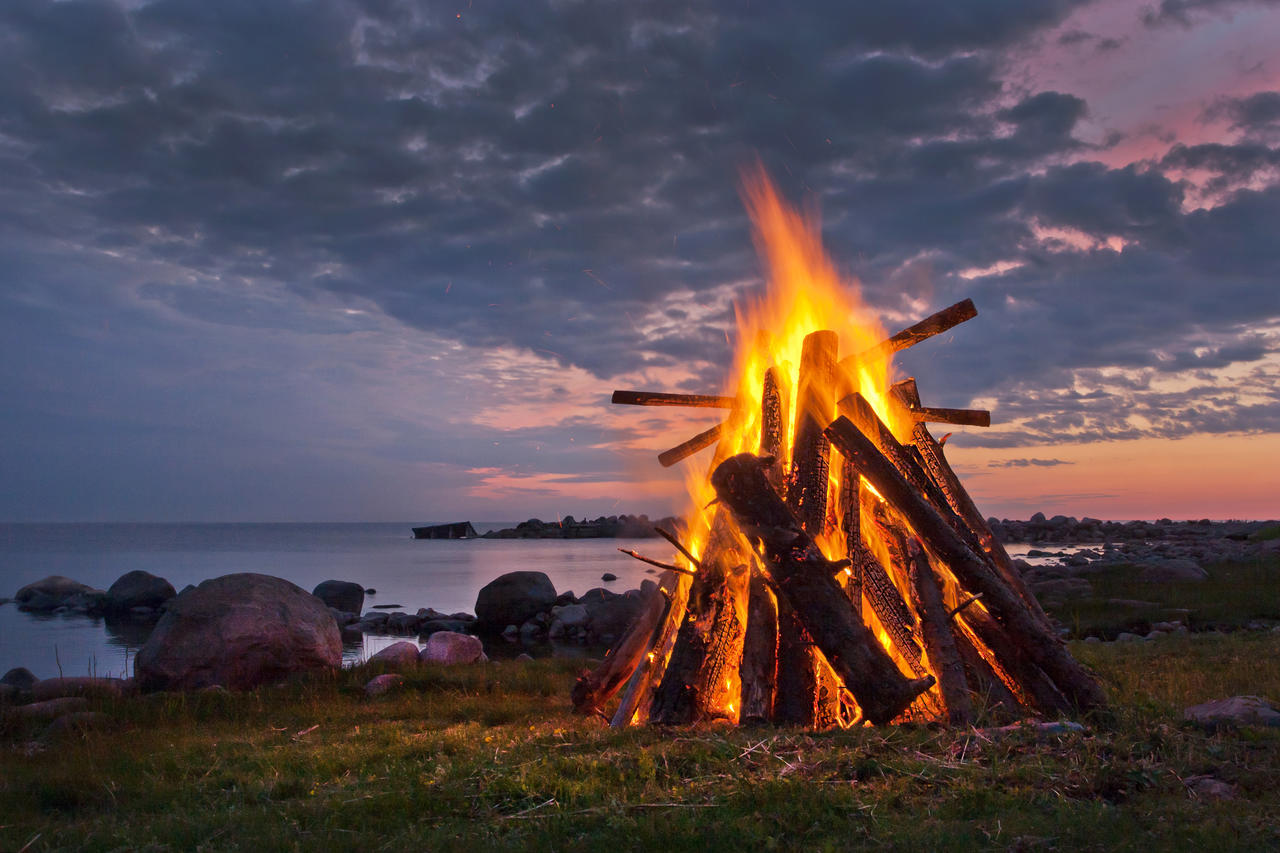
(604, 527)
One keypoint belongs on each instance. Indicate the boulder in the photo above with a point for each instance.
(55, 688)
(1209, 788)
(514, 598)
(53, 592)
(1240, 710)
(608, 576)
(400, 654)
(239, 630)
(341, 595)
(384, 684)
(610, 616)
(448, 647)
(138, 589)
(431, 626)
(20, 677)
(1177, 569)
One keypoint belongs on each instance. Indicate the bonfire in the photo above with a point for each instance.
(833, 571)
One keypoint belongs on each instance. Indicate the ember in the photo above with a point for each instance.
(834, 570)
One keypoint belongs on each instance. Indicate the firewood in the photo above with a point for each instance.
(939, 643)
(593, 689)
(799, 573)
(886, 599)
(670, 537)
(962, 417)
(687, 448)
(655, 398)
(934, 324)
(935, 462)
(759, 669)
(775, 407)
(973, 572)
(984, 684)
(635, 703)
(668, 566)
(699, 683)
(1033, 686)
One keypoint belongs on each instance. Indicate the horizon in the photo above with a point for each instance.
(334, 260)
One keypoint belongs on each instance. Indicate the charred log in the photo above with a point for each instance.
(593, 689)
(655, 398)
(934, 324)
(759, 670)
(939, 643)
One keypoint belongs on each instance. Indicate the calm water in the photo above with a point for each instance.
(412, 573)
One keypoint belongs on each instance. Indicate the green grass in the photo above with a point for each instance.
(489, 757)
(1234, 594)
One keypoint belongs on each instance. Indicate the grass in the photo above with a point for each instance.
(1234, 594)
(489, 757)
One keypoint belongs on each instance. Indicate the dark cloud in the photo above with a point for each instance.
(242, 198)
(1184, 12)
(1258, 112)
(1028, 463)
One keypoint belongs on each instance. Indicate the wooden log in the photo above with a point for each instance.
(851, 527)
(934, 324)
(635, 704)
(801, 575)
(961, 417)
(1033, 686)
(939, 643)
(974, 573)
(984, 684)
(655, 398)
(775, 409)
(884, 597)
(807, 691)
(687, 448)
(759, 670)
(593, 689)
(700, 682)
(957, 497)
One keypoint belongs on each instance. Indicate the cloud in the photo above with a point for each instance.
(1027, 463)
(1184, 12)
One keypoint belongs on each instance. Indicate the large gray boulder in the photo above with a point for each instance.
(1240, 710)
(238, 631)
(513, 599)
(139, 589)
(341, 595)
(1173, 570)
(449, 648)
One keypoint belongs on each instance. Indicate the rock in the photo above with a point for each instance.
(239, 630)
(4, 601)
(384, 684)
(523, 657)
(610, 617)
(530, 630)
(1092, 639)
(344, 617)
(78, 723)
(1241, 710)
(370, 591)
(431, 626)
(571, 616)
(403, 623)
(19, 677)
(514, 598)
(388, 606)
(1209, 788)
(341, 595)
(51, 708)
(400, 654)
(53, 592)
(448, 647)
(1062, 589)
(1126, 637)
(608, 576)
(1178, 569)
(55, 688)
(138, 589)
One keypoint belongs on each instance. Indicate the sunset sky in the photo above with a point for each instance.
(359, 260)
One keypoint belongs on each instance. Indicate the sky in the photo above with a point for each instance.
(359, 260)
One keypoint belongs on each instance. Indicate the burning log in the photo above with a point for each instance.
(1040, 646)
(802, 575)
(759, 670)
(775, 407)
(691, 446)
(593, 689)
(700, 677)
(653, 666)
(961, 417)
(939, 642)
(934, 324)
(655, 398)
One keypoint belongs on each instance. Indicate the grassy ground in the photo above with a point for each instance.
(490, 758)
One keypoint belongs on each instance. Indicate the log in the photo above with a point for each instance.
(934, 324)
(973, 572)
(885, 598)
(957, 497)
(700, 682)
(655, 398)
(1021, 674)
(635, 704)
(593, 689)
(851, 526)
(939, 644)
(775, 409)
(759, 669)
(801, 575)
(668, 566)
(961, 417)
(984, 684)
(687, 448)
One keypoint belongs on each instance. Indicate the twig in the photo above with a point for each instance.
(693, 561)
(657, 563)
(550, 802)
(33, 840)
(962, 605)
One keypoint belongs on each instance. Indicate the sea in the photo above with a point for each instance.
(406, 572)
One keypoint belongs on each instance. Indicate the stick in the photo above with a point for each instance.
(934, 324)
(963, 417)
(1041, 646)
(671, 567)
(593, 689)
(690, 447)
(655, 398)
(939, 643)
(955, 611)
(693, 561)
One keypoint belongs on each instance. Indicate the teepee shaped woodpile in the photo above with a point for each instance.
(845, 576)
